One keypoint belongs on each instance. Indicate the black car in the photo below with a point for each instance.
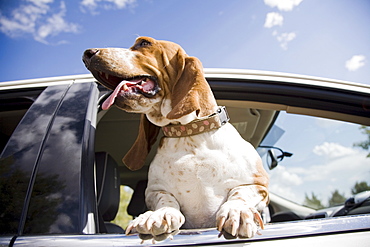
(63, 181)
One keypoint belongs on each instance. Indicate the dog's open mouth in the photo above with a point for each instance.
(143, 84)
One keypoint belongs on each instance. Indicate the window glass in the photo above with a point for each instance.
(64, 182)
(327, 162)
(13, 105)
(45, 166)
(19, 146)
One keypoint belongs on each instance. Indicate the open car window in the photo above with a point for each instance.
(327, 160)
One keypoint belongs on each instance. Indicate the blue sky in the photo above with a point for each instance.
(327, 38)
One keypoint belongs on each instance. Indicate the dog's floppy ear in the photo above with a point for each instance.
(135, 157)
(191, 92)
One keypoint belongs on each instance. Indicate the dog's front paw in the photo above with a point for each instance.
(159, 224)
(236, 219)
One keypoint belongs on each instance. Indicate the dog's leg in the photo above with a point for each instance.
(164, 221)
(239, 216)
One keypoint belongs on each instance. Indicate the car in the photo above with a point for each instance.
(63, 180)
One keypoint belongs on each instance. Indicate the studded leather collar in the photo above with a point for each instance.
(212, 122)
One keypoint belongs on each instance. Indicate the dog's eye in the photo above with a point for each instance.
(144, 43)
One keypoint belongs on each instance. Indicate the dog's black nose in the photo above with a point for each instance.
(88, 54)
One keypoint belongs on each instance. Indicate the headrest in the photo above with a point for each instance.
(108, 185)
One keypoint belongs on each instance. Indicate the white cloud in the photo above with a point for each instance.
(285, 177)
(23, 19)
(338, 162)
(36, 18)
(92, 5)
(55, 25)
(283, 182)
(333, 150)
(340, 168)
(273, 19)
(355, 62)
(283, 5)
(337, 167)
(276, 19)
(284, 38)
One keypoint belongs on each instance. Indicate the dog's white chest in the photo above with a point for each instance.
(200, 171)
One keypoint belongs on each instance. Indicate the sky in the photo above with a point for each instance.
(324, 158)
(325, 38)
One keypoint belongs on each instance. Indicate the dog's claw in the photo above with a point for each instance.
(238, 220)
(128, 229)
(149, 224)
(168, 220)
(158, 225)
(221, 223)
(234, 228)
(258, 218)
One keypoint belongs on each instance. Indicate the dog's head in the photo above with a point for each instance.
(153, 77)
(151, 74)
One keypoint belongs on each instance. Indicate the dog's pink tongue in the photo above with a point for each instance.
(110, 100)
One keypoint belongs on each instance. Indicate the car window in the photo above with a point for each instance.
(327, 159)
(15, 165)
(13, 105)
(46, 167)
(317, 174)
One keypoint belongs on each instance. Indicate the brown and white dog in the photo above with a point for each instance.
(204, 174)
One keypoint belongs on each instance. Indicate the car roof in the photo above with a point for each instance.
(210, 73)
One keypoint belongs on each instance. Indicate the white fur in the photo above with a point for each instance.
(200, 173)
(125, 56)
(199, 177)
(164, 109)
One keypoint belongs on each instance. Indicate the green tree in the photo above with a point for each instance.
(360, 187)
(364, 144)
(336, 199)
(123, 218)
(313, 202)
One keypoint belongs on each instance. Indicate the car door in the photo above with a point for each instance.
(46, 167)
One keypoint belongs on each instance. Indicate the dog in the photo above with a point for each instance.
(204, 173)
